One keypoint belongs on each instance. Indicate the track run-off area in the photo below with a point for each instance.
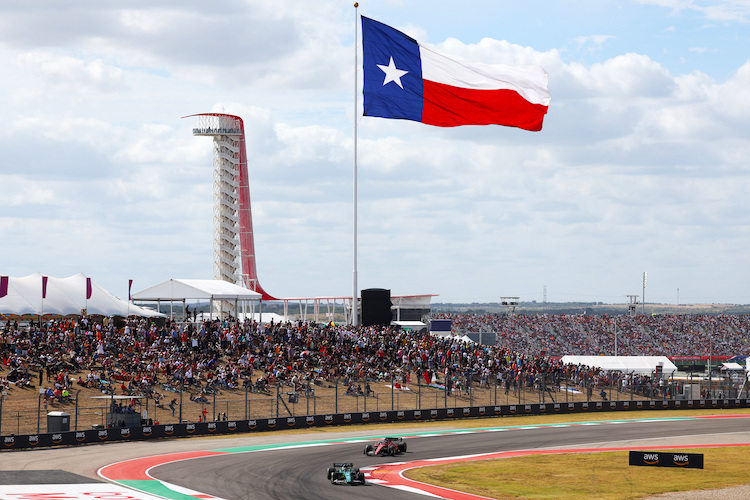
(292, 465)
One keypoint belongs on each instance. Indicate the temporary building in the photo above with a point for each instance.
(626, 364)
(38, 295)
(181, 290)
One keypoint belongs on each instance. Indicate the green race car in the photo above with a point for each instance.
(345, 473)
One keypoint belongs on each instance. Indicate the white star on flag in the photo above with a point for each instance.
(392, 74)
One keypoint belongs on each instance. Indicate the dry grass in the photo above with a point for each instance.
(591, 475)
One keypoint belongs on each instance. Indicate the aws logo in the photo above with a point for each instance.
(169, 430)
(33, 440)
(272, 422)
(80, 436)
(9, 441)
(433, 413)
(557, 406)
(512, 408)
(450, 412)
(626, 404)
(211, 427)
(328, 419)
(680, 460)
(651, 458)
(347, 417)
(190, 428)
(125, 432)
(543, 408)
(365, 417)
(57, 438)
(383, 415)
(252, 424)
(291, 421)
(417, 414)
(310, 420)
(400, 415)
(102, 435)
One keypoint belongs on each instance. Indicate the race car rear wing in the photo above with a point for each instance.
(343, 464)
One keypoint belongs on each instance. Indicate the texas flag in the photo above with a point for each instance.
(403, 79)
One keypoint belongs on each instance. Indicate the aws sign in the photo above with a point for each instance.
(661, 459)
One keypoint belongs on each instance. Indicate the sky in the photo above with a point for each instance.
(643, 163)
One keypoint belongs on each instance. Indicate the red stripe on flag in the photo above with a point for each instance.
(130, 286)
(3, 286)
(88, 288)
(447, 106)
(44, 287)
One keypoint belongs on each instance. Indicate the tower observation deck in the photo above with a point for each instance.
(234, 246)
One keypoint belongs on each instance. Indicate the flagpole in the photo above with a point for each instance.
(355, 319)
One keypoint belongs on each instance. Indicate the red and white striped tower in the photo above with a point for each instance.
(234, 246)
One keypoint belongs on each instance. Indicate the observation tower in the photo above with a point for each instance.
(234, 246)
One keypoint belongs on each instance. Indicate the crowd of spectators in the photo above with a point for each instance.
(140, 357)
(593, 335)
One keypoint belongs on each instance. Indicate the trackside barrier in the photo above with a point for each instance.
(120, 434)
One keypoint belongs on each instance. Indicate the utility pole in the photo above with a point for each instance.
(643, 304)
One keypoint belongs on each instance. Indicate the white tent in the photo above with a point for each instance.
(28, 296)
(180, 289)
(625, 364)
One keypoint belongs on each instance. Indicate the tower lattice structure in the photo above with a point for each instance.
(234, 246)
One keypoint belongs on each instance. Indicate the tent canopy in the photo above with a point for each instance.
(625, 364)
(410, 325)
(182, 289)
(70, 296)
(732, 366)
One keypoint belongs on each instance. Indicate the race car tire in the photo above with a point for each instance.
(402, 447)
(330, 472)
(369, 449)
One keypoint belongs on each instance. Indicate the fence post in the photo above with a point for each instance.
(277, 398)
(2, 398)
(182, 389)
(419, 391)
(366, 386)
(337, 395)
(392, 379)
(38, 412)
(245, 401)
(76, 424)
(214, 407)
(307, 397)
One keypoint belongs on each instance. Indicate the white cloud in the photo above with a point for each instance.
(637, 167)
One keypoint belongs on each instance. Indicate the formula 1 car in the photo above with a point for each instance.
(345, 473)
(386, 446)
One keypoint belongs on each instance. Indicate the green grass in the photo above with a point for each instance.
(587, 475)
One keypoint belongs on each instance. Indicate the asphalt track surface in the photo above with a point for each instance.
(299, 473)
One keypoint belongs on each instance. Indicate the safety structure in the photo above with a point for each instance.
(234, 246)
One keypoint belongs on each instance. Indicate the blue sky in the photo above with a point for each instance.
(642, 164)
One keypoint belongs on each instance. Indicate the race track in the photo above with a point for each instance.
(300, 472)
